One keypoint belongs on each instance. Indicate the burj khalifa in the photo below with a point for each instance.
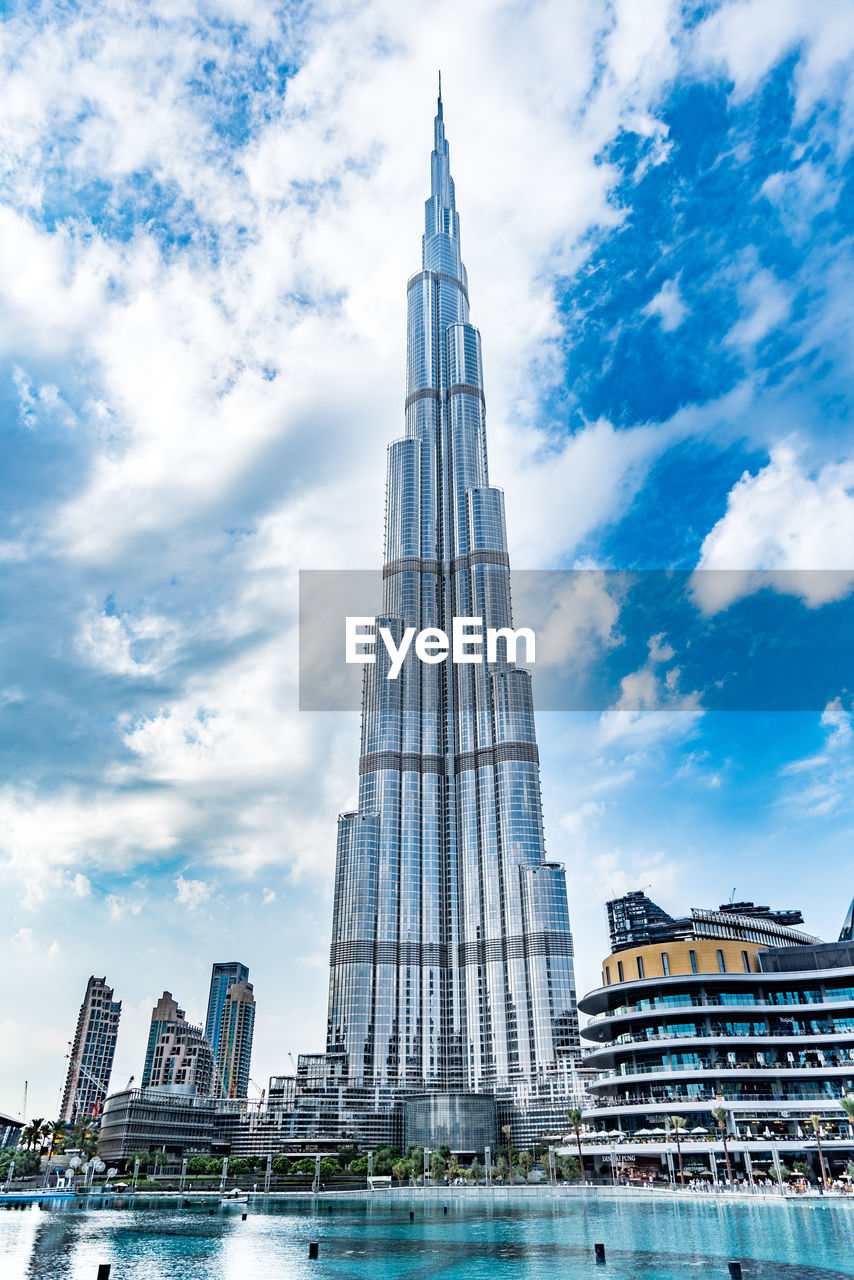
(451, 970)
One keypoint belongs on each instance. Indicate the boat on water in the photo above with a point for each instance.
(234, 1197)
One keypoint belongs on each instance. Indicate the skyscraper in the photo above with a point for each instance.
(222, 976)
(451, 958)
(177, 1056)
(234, 1050)
(90, 1062)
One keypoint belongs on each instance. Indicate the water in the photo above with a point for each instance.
(509, 1236)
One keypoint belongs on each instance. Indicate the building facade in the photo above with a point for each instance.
(223, 975)
(90, 1061)
(681, 1027)
(451, 957)
(177, 1056)
(234, 1050)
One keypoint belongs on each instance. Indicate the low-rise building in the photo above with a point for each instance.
(684, 1026)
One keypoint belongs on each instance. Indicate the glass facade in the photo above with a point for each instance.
(90, 1062)
(451, 958)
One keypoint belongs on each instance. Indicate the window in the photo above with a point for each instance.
(640, 967)
(607, 975)
(745, 960)
(721, 961)
(692, 956)
(620, 977)
(665, 964)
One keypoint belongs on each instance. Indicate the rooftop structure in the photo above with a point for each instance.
(634, 920)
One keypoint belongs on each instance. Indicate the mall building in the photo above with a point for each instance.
(707, 1017)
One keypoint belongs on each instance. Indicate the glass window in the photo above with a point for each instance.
(640, 967)
(745, 959)
(620, 971)
(692, 956)
(665, 964)
(721, 961)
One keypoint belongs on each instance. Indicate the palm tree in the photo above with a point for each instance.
(678, 1123)
(505, 1129)
(573, 1115)
(399, 1169)
(846, 1102)
(815, 1121)
(31, 1135)
(720, 1116)
(526, 1163)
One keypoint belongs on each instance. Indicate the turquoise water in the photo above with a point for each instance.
(521, 1236)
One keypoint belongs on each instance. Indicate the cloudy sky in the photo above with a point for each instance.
(207, 217)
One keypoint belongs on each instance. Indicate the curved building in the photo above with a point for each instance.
(680, 1027)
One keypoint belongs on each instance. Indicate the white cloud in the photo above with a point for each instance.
(669, 305)
(823, 783)
(192, 893)
(786, 528)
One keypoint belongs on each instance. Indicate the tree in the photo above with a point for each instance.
(399, 1170)
(475, 1171)
(505, 1129)
(720, 1116)
(197, 1165)
(501, 1167)
(346, 1154)
(526, 1163)
(573, 1115)
(384, 1158)
(815, 1121)
(55, 1130)
(282, 1165)
(359, 1166)
(329, 1167)
(846, 1102)
(570, 1169)
(677, 1124)
(26, 1163)
(438, 1165)
(31, 1134)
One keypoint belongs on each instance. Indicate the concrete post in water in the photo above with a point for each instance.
(313, 1249)
(104, 1271)
(599, 1250)
(735, 1271)
(411, 1215)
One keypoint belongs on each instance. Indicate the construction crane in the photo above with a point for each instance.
(99, 1084)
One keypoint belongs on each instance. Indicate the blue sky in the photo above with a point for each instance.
(207, 215)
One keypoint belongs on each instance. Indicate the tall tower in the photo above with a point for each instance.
(177, 1056)
(451, 958)
(234, 1050)
(90, 1063)
(222, 976)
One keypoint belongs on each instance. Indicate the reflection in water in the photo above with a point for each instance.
(521, 1236)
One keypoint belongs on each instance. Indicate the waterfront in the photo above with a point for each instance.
(526, 1235)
